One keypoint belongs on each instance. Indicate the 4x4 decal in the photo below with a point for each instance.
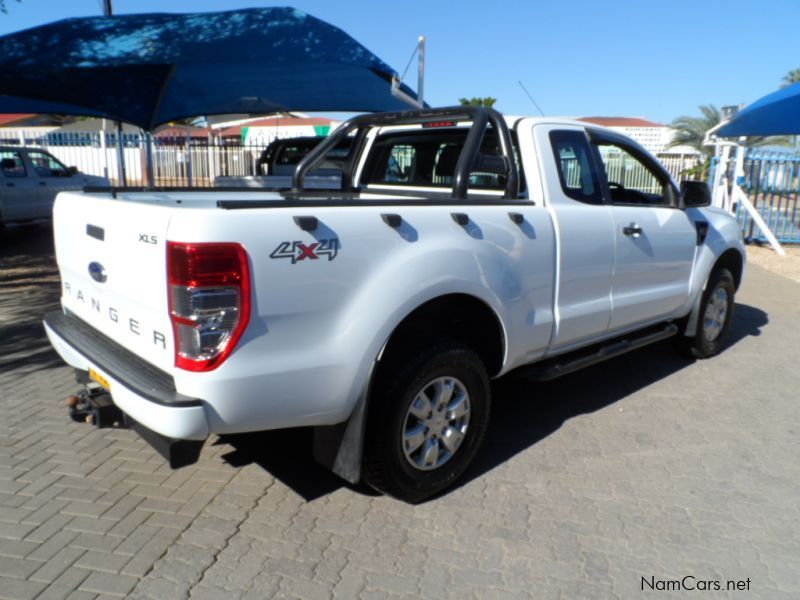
(298, 251)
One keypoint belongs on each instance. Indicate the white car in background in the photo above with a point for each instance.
(30, 180)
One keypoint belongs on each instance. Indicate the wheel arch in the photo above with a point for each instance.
(340, 447)
(459, 316)
(732, 260)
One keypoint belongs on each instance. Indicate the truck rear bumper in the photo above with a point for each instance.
(140, 390)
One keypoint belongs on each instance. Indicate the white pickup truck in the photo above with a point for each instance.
(463, 245)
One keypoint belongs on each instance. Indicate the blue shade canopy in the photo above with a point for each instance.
(777, 113)
(149, 69)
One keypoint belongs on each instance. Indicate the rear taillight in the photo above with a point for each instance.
(209, 301)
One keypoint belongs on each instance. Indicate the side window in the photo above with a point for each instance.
(11, 164)
(576, 171)
(631, 181)
(46, 165)
(400, 166)
(428, 157)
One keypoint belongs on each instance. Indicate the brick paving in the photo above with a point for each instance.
(646, 466)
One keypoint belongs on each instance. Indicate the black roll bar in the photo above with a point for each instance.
(479, 116)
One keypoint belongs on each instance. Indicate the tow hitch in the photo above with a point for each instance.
(94, 405)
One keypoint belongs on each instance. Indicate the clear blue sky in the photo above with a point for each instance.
(580, 57)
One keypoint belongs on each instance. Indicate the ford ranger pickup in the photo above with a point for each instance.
(462, 245)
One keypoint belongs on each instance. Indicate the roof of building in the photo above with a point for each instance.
(29, 120)
(12, 118)
(621, 121)
(275, 122)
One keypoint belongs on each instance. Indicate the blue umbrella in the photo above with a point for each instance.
(150, 69)
(777, 113)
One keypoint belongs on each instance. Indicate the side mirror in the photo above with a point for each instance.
(72, 171)
(695, 194)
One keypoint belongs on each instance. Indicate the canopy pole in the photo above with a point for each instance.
(188, 163)
(148, 140)
(123, 180)
(396, 81)
(719, 185)
(108, 11)
(104, 150)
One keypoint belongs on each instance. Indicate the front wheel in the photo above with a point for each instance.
(426, 421)
(714, 319)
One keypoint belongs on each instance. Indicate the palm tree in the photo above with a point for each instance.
(691, 131)
(791, 77)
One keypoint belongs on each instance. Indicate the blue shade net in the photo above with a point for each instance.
(777, 113)
(150, 69)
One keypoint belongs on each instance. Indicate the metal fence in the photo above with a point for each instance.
(191, 161)
(176, 161)
(772, 182)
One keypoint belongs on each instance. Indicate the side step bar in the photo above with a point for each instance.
(569, 363)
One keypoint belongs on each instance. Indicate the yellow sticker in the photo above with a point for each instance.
(95, 376)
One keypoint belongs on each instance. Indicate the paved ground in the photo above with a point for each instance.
(787, 266)
(649, 466)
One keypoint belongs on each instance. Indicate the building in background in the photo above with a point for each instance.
(655, 137)
(263, 131)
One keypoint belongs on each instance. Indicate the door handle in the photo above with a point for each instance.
(9, 184)
(42, 183)
(632, 230)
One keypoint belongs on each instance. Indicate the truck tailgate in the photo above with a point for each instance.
(112, 258)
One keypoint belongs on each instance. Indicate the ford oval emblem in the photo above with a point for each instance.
(97, 272)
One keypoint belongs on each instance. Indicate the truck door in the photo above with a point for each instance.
(584, 232)
(53, 177)
(654, 240)
(19, 189)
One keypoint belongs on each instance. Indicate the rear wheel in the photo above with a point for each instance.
(714, 319)
(426, 420)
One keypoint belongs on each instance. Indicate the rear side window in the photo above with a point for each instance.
(428, 158)
(11, 164)
(576, 171)
(401, 163)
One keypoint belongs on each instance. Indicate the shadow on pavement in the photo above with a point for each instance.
(523, 413)
(29, 288)
(286, 454)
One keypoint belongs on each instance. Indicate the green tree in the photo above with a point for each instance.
(691, 131)
(791, 77)
(486, 102)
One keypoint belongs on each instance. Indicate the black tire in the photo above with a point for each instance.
(386, 466)
(700, 345)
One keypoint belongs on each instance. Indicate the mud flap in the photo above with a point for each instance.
(340, 447)
(694, 316)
